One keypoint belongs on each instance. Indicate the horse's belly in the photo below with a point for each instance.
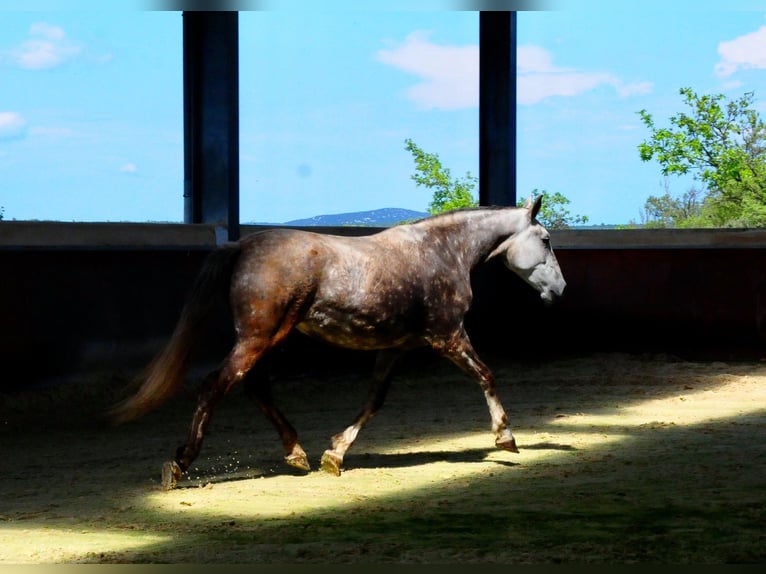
(355, 332)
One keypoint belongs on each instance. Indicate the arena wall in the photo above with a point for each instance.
(86, 297)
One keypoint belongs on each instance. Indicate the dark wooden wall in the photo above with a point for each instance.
(76, 298)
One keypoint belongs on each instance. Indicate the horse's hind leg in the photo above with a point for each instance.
(216, 386)
(460, 351)
(295, 455)
(332, 459)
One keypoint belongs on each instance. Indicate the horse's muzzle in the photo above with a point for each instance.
(550, 297)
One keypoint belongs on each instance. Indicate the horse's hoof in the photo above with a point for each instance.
(331, 462)
(509, 445)
(171, 472)
(298, 461)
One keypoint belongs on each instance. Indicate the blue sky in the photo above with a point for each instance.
(91, 115)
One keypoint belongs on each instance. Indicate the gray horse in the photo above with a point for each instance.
(401, 288)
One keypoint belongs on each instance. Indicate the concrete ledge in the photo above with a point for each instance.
(52, 235)
(96, 236)
(659, 239)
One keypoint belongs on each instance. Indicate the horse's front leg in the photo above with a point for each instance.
(460, 351)
(332, 459)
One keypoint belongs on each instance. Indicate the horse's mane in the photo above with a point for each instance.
(446, 214)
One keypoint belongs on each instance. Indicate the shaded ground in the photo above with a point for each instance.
(624, 458)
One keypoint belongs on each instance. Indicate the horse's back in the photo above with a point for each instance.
(284, 263)
(359, 292)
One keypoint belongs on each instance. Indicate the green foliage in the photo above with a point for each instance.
(723, 144)
(448, 193)
(453, 193)
(553, 213)
(668, 211)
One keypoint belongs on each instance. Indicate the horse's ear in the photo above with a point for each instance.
(534, 207)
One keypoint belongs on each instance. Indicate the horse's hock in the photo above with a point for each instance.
(104, 297)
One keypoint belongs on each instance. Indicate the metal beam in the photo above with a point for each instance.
(497, 108)
(211, 120)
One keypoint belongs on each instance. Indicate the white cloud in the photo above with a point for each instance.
(128, 168)
(47, 31)
(450, 74)
(637, 88)
(732, 85)
(533, 59)
(742, 53)
(539, 79)
(46, 47)
(12, 125)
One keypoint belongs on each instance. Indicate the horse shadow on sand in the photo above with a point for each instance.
(412, 459)
(372, 460)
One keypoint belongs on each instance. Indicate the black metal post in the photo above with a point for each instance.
(497, 108)
(211, 120)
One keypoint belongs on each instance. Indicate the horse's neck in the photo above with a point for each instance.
(473, 234)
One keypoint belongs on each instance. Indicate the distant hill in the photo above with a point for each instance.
(384, 217)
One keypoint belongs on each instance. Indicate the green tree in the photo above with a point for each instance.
(448, 193)
(553, 212)
(723, 144)
(668, 211)
(453, 193)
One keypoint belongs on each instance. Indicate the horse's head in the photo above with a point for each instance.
(529, 254)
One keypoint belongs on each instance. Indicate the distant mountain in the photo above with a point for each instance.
(384, 217)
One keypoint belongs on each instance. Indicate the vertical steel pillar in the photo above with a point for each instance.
(497, 108)
(211, 120)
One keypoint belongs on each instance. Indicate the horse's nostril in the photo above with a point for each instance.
(551, 297)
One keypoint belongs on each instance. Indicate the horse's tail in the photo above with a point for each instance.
(163, 377)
